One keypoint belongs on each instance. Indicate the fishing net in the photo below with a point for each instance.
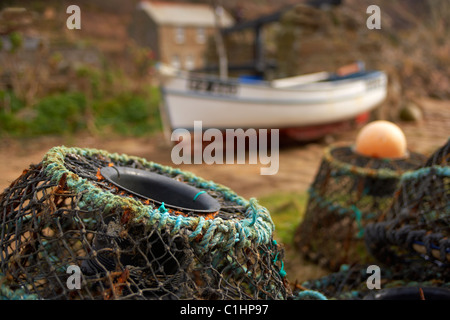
(396, 283)
(348, 192)
(410, 241)
(64, 216)
(417, 226)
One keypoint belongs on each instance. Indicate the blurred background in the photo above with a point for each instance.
(97, 86)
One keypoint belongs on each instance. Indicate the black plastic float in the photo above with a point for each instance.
(160, 189)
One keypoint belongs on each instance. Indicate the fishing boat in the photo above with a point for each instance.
(317, 102)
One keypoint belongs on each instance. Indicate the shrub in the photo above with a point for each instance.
(128, 114)
(9, 106)
(59, 114)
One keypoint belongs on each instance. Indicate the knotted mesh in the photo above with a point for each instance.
(418, 222)
(409, 241)
(349, 191)
(62, 213)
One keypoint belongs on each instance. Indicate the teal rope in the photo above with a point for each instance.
(310, 294)
(353, 210)
(255, 228)
(6, 293)
(358, 217)
(282, 272)
(162, 208)
(423, 172)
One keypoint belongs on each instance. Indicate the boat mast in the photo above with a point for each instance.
(223, 61)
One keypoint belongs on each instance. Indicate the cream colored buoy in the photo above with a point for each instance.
(381, 139)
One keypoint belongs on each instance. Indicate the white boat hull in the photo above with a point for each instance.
(230, 104)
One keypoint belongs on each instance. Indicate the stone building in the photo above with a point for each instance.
(176, 32)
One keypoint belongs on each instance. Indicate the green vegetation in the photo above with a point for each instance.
(287, 211)
(128, 114)
(50, 93)
(66, 113)
(58, 114)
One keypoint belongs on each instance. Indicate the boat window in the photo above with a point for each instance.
(212, 86)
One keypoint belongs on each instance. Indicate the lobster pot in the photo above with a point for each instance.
(415, 232)
(127, 228)
(358, 282)
(349, 191)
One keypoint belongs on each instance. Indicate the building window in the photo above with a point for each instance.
(201, 36)
(176, 61)
(179, 35)
(189, 63)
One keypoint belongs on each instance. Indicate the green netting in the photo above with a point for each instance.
(409, 241)
(418, 223)
(62, 213)
(351, 283)
(348, 192)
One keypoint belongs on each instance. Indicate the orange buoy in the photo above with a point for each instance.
(381, 139)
